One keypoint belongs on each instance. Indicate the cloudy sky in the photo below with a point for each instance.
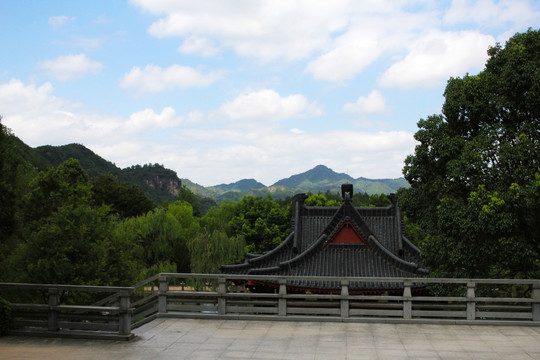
(225, 90)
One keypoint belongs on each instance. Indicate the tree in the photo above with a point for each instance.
(7, 194)
(66, 238)
(162, 236)
(15, 175)
(261, 222)
(320, 200)
(199, 204)
(211, 248)
(125, 199)
(469, 164)
(364, 199)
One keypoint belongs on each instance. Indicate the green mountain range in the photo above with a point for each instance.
(162, 184)
(319, 179)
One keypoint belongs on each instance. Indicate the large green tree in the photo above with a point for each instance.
(261, 221)
(15, 175)
(474, 175)
(125, 199)
(161, 236)
(65, 237)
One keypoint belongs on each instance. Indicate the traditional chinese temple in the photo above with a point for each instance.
(344, 241)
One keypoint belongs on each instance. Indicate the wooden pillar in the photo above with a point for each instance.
(344, 302)
(471, 301)
(282, 301)
(407, 299)
(536, 305)
(53, 314)
(222, 301)
(124, 316)
(162, 294)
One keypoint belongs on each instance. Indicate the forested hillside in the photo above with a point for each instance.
(157, 182)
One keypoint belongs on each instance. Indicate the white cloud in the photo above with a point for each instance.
(268, 104)
(70, 66)
(373, 103)
(198, 45)
(36, 115)
(437, 56)
(156, 79)
(263, 30)
(198, 148)
(57, 21)
(338, 39)
(344, 62)
(148, 119)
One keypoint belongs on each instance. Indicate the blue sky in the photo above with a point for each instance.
(226, 90)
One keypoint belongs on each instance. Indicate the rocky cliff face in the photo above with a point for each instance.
(164, 184)
(160, 183)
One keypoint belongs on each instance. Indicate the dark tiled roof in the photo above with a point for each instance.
(309, 250)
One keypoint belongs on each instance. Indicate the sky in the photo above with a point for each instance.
(224, 90)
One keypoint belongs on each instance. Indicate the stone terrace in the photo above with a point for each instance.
(239, 339)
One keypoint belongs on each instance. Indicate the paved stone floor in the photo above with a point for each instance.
(235, 339)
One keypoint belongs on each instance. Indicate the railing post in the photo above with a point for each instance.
(162, 294)
(471, 301)
(344, 308)
(124, 316)
(536, 305)
(222, 301)
(54, 300)
(407, 299)
(282, 301)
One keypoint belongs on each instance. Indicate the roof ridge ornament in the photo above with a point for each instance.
(347, 192)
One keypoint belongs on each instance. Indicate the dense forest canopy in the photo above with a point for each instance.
(474, 202)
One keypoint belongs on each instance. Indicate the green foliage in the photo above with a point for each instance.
(261, 222)
(199, 204)
(162, 234)
(69, 248)
(66, 237)
(93, 164)
(126, 200)
(7, 194)
(366, 200)
(473, 203)
(5, 317)
(359, 199)
(320, 200)
(159, 183)
(210, 249)
(15, 175)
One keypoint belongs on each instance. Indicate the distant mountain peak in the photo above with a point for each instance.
(241, 185)
(318, 174)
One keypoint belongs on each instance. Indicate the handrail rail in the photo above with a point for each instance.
(91, 288)
(359, 279)
(115, 315)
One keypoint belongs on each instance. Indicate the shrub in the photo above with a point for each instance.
(5, 317)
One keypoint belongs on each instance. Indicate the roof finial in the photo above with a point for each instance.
(347, 191)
